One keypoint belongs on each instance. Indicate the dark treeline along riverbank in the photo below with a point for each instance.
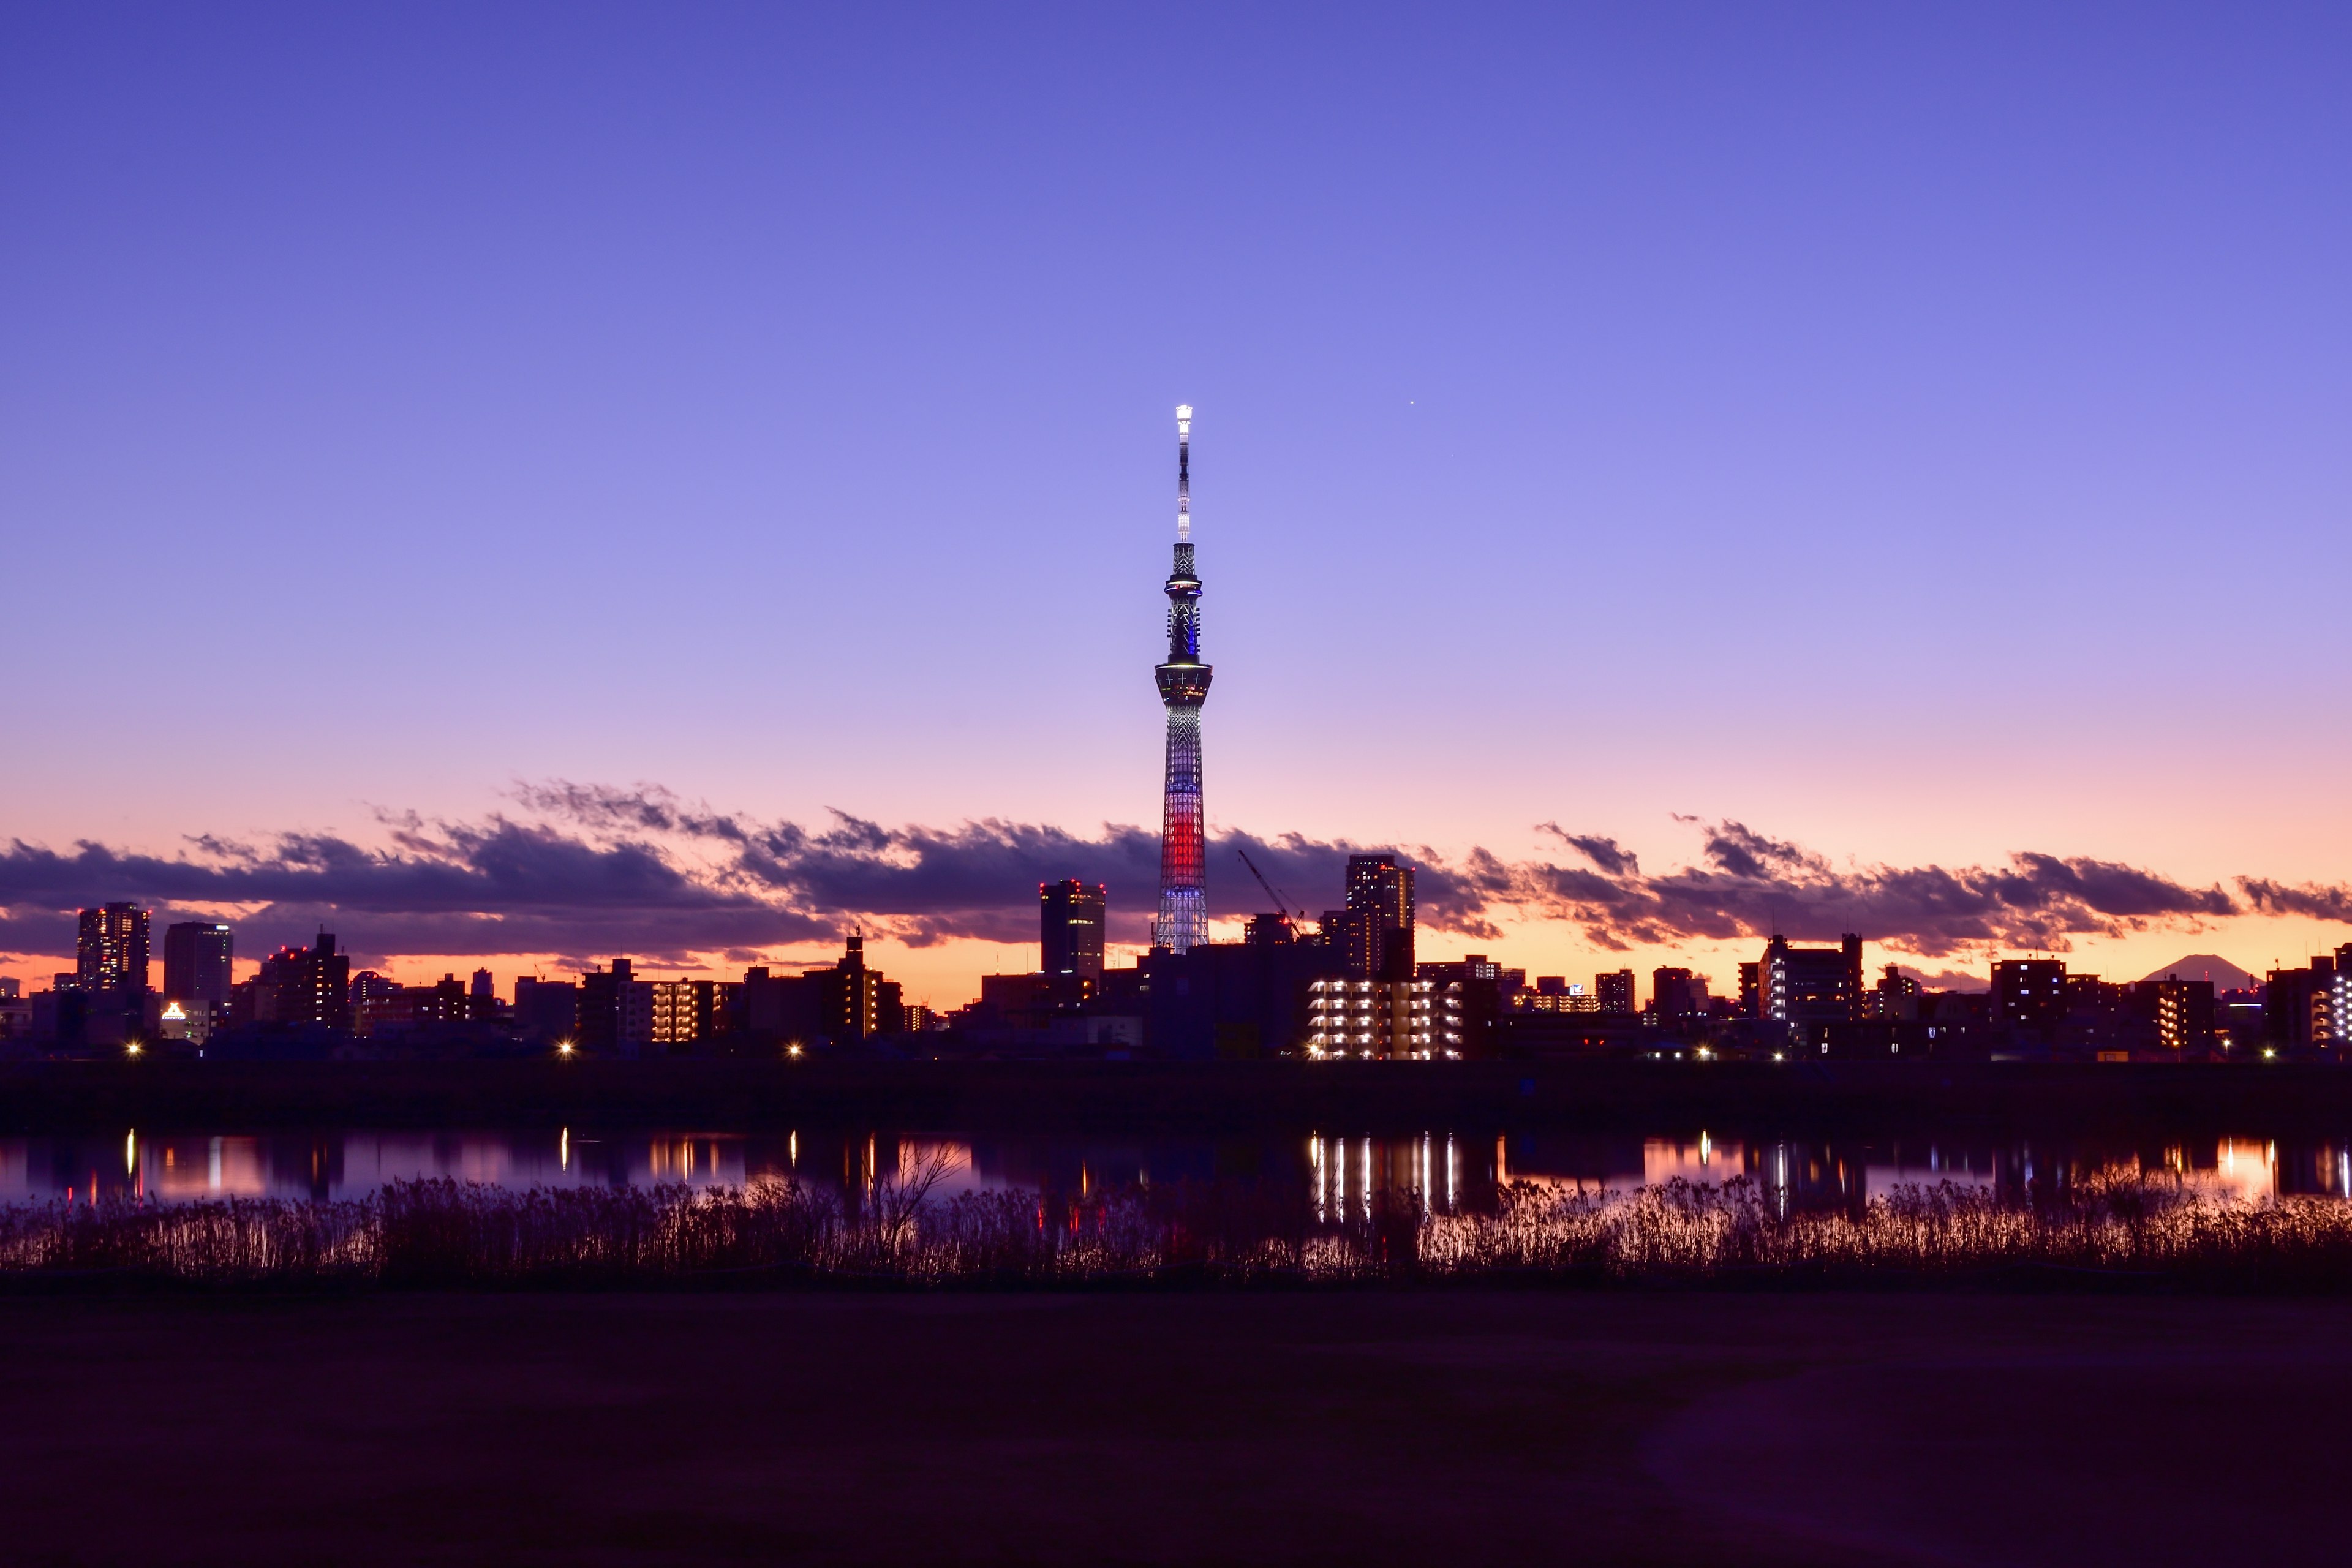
(2279, 1099)
(772, 1233)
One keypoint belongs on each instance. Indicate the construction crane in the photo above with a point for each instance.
(1281, 904)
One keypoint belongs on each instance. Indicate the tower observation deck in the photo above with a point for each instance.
(1183, 920)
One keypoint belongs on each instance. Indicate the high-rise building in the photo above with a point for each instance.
(197, 960)
(2299, 1006)
(298, 985)
(1896, 998)
(2029, 993)
(257, 1001)
(2184, 1013)
(379, 1004)
(1615, 991)
(1809, 988)
(1374, 934)
(1070, 928)
(1224, 999)
(442, 1002)
(634, 1016)
(842, 1003)
(1676, 995)
(856, 1003)
(599, 1007)
(111, 954)
(1268, 930)
(319, 992)
(546, 1009)
(1184, 917)
(2342, 988)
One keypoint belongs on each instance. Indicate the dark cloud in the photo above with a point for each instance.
(1605, 853)
(1730, 848)
(1749, 885)
(498, 887)
(2309, 900)
(590, 871)
(927, 884)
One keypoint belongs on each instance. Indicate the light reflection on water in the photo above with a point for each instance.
(1447, 1172)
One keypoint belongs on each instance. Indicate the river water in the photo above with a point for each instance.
(1450, 1170)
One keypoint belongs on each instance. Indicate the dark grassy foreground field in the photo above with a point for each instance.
(1354, 1428)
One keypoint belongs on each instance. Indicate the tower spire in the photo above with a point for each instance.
(1183, 920)
(1183, 473)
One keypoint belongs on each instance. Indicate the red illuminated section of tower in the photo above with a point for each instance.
(1183, 920)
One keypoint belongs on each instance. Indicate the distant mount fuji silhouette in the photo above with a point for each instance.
(2224, 974)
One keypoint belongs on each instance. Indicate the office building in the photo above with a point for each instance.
(1554, 994)
(442, 1002)
(600, 1004)
(298, 985)
(1615, 992)
(1228, 999)
(546, 1009)
(1373, 936)
(844, 1003)
(633, 1004)
(858, 1002)
(198, 958)
(1677, 996)
(111, 954)
(1896, 998)
(1070, 928)
(1809, 985)
(1476, 967)
(2029, 993)
(2300, 1006)
(1810, 989)
(380, 1004)
(1268, 930)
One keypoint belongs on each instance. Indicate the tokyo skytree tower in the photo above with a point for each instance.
(1183, 687)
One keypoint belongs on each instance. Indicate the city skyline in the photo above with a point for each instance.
(620, 899)
(1804, 455)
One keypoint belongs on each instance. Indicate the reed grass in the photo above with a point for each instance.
(780, 1231)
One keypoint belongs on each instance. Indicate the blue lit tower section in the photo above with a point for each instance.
(1184, 686)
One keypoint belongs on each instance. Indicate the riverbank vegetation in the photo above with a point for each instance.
(903, 1232)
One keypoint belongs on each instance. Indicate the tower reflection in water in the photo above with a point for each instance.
(1348, 1173)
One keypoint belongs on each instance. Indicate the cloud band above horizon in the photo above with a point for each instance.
(586, 871)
